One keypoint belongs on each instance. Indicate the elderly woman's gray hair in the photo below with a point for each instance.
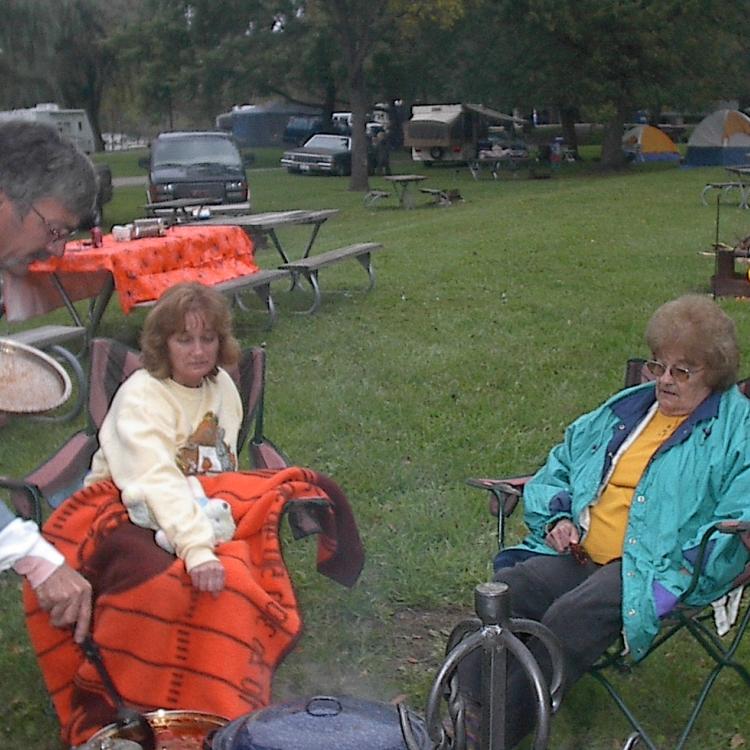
(37, 162)
(702, 332)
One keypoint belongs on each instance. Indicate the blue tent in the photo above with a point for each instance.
(722, 138)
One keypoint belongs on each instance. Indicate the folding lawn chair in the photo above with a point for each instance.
(505, 494)
(111, 363)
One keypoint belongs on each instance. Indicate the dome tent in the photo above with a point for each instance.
(647, 143)
(721, 138)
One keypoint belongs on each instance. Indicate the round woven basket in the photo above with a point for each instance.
(30, 380)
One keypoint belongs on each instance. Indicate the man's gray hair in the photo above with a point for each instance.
(37, 162)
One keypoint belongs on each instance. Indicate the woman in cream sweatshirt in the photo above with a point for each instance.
(176, 418)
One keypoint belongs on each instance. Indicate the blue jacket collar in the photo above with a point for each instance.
(633, 406)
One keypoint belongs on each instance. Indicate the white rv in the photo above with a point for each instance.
(73, 123)
(449, 132)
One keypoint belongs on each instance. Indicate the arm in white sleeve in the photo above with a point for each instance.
(21, 539)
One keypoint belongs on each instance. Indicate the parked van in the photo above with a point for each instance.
(73, 123)
(300, 128)
(449, 132)
(197, 164)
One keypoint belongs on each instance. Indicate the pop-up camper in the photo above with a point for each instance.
(73, 123)
(449, 132)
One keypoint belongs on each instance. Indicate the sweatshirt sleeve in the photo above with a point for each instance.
(20, 539)
(139, 441)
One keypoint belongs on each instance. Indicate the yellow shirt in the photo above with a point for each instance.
(609, 517)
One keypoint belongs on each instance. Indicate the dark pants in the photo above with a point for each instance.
(579, 603)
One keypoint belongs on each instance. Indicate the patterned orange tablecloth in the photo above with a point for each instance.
(141, 269)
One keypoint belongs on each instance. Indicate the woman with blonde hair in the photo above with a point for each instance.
(202, 627)
(616, 514)
(176, 418)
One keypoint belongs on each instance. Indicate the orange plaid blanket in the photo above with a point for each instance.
(165, 644)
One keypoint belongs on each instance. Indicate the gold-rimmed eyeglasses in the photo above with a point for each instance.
(56, 235)
(680, 374)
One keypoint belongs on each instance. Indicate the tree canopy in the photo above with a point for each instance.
(176, 62)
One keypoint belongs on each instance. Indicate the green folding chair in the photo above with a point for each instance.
(505, 495)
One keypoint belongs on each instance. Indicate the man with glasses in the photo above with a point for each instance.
(47, 188)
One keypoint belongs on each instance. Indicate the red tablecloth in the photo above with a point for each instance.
(142, 269)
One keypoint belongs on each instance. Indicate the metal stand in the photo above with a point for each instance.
(495, 634)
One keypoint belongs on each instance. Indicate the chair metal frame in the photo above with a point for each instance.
(505, 494)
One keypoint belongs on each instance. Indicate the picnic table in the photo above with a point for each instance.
(266, 224)
(307, 266)
(181, 210)
(139, 270)
(740, 183)
(402, 185)
(497, 164)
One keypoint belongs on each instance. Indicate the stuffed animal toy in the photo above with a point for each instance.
(219, 514)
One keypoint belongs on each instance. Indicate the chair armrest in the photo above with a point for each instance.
(265, 455)
(306, 515)
(724, 527)
(62, 474)
(504, 493)
(25, 497)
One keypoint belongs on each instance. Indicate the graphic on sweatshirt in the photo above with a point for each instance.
(205, 450)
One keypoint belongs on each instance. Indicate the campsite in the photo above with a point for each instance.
(361, 358)
(648, 143)
(722, 137)
(512, 321)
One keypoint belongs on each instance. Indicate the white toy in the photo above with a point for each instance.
(219, 514)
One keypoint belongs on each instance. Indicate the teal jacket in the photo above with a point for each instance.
(699, 476)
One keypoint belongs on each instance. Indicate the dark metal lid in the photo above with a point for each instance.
(319, 723)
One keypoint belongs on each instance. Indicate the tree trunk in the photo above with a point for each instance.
(329, 105)
(612, 154)
(360, 104)
(568, 116)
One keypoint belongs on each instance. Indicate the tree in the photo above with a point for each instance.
(84, 58)
(362, 27)
(26, 52)
(608, 56)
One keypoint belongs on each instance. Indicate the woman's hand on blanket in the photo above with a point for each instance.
(208, 576)
(66, 595)
(561, 535)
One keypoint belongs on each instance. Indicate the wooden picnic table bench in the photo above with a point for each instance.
(46, 336)
(179, 209)
(442, 197)
(310, 266)
(374, 197)
(259, 282)
(741, 183)
(725, 187)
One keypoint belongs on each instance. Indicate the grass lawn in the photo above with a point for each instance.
(494, 323)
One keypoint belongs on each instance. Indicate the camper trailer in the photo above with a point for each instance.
(73, 123)
(449, 132)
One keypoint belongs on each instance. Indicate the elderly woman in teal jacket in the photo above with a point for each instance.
(617, 512)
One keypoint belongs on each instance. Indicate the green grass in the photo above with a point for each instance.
(493, 324)
(123, 163)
